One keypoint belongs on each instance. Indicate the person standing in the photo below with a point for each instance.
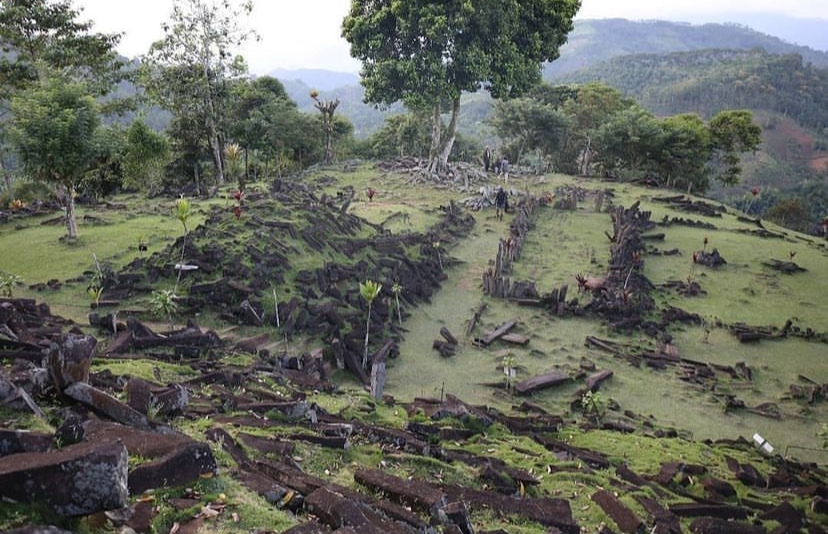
(500, 203)
(487, 157)
(504, 169)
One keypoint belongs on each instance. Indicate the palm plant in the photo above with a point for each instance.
(7, 283)
(396, 289)
(436, 246)
(593, 406)
(509, 369)
(369, 291)
(183, 210)
(233, 152)
(163, 302)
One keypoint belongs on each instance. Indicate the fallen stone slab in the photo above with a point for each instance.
(220, 436)
(69, 361)
(311, 527)
(107, 405)
(665, 521)
(294, 478)
(786, 515)
(275, 494)
(594, 381)
(625, 473)
(38, 529)
(77, 480)
(456, 516)
(170, 459)
(336, 511)
(569, 452)
(17, 441)
(498, 332)
(625, 518)
(718, 489)
(417, 494)
(547, 511)
(544, 381)
(267, 445)
(515, 339)
(721, 511)
(712, 525)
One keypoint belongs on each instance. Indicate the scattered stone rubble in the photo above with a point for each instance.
(83, 467)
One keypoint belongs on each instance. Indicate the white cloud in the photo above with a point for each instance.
(695, 9)
(307, 33)
(294, 33)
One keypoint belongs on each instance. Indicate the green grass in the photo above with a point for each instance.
(562, 244)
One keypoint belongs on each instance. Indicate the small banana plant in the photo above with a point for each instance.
(369, 291)
(396, 290)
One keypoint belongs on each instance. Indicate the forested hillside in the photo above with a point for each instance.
(707, 81)
(591, 43)
(596, 41)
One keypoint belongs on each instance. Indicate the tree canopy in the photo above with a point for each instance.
(54, 133)
(426, 53)
(38, 35)
(593, 126)
(186, 71)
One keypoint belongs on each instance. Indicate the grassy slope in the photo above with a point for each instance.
(566, 243)
(562, 244)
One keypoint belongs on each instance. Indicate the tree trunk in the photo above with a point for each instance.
(586, 160)
(439, 164)
(436, 134)
(328, 144)
(71, 223)
(216, 146)
(7, 177)
(215, 142)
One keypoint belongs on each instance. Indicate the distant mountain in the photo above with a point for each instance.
(799, 31)
(323, 80)
(366, 118)
(592, 42)
(595, 41)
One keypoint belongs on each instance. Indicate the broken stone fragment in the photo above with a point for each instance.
(77, 480)
(170, 459)
(69, 361)
(108, 405)
(17, 441)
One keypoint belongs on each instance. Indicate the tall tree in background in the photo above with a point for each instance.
(732, 132)
(327, 108)
(426, 53)
(54, 133)
(38, 37)
(186, 71)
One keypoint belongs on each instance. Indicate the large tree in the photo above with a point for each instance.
(54, 132)
(187, 71)
(529, 124)
(426, 53)
(38, 37)
(43, 35)
(732, 132)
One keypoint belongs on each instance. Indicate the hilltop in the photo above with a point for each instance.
(633, 405)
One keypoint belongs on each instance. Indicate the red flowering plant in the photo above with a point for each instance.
(754, 194)
(238, 195)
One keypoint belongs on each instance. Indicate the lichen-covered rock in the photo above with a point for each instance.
(77, 480)
(69, 362)
(108, 405)
(170, 459)
(17, 441)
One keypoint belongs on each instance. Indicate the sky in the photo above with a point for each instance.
(306, 33)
